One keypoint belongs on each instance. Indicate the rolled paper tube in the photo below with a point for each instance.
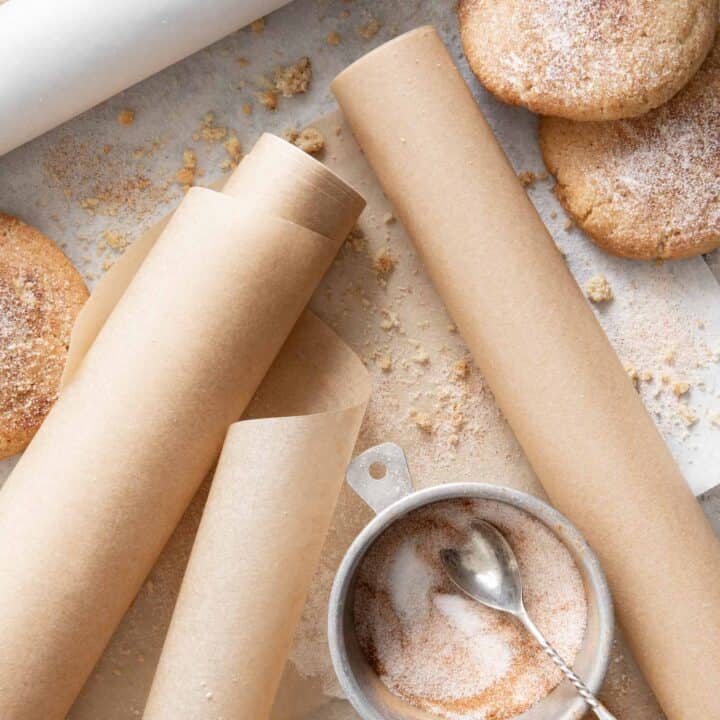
(551, 368)
(259, 542)
(142, 419)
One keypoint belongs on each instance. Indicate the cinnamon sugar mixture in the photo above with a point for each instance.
(443, 652)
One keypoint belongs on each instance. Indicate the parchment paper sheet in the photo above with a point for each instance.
(140, 423)
(552, 370)
(61, 58)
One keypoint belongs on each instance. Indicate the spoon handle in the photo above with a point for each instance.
(597, 707)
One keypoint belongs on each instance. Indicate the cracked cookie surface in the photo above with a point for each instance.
(586, 59)
(648, 187)
(41, 293)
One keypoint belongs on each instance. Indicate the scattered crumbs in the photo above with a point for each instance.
(568, 225)
(421, 357)
(461, 369)
(388, 218)
(209, 131)
(680, 388)
(598, 289)
(370, 29)
(646, 376)
(528, 177)
(385, 363)
(687, 414)
(308, 139)
(632, 374)
(714, 417)
(257, 26)
(356, 239)
(390, 321)
(452, 327)
(268, 99)
(670, 357)
(126, 117)
(383, 262)
(114, 240)
(186, 174)
(333, 38)
(422, 420)
(247, 109)
(105, 181)
(234, 150)
(243, 62)
(553, 214)
(293, 79)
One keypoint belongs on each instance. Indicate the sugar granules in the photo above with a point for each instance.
(445, 653)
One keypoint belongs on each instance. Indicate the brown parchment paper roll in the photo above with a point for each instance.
(257, 547)
(142, 417)
(550, 366)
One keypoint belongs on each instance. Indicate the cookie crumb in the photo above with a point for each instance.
(680, 388)
(186, 174)
(333, 38)
(385, 363)
(209, 131)
(356, 239)
(268, 99)
(234, 150)
(598, 289)
(632, 374)
(370, 29)
(528, 177)
(422, 420)
(714, 416)
(126, 117)
(388, 218)
(309, 139)
(257, 26)
(114, 240)
(687, 414)
(421, 357)
(384, 262)
(293, 79)
(461, 369)
(247, 109)
(390, 321)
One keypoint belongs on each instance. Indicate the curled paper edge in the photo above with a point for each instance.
(299, 457)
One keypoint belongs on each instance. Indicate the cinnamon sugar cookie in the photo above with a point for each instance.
(586, 59)
(40, 295)
(648, 187)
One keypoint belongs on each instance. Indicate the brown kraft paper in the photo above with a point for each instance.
(550, 366)
(143, 415)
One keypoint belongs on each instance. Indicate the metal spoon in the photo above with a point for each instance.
(486, 569)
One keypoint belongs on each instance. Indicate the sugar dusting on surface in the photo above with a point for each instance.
(445, 653)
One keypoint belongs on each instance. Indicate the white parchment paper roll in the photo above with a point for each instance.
(60, 58)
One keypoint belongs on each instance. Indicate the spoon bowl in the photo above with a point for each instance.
(486, 570)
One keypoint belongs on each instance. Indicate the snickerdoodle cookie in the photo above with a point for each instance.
(647, 187)
(587, 59)
(40, 295)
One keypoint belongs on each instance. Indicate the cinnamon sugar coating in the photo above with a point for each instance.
(586, 59)
(41, 293)
(648, 187)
